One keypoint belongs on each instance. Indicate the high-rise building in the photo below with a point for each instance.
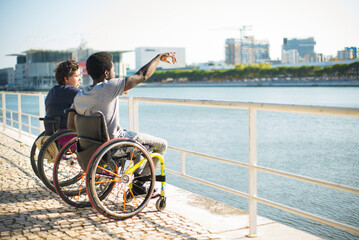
(348, 53)
(246, 50)
(146, 54)
(303, 47)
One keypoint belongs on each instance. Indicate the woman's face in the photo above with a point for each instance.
(75, 79)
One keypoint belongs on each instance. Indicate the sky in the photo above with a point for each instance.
(199, 26)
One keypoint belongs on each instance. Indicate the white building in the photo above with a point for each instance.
(213, 65)
(35, 68)
(290, 56)
(146, 54)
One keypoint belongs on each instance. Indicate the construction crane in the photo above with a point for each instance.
(243, 29)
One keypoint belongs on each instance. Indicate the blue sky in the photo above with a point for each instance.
(200, 26)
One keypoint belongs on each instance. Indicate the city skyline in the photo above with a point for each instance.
(201, 27)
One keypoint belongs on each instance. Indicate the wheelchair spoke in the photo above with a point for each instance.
(82, 180)
(131, 159)
(108, 181)
(106, 170)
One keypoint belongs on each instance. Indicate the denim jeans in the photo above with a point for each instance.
(157, 145)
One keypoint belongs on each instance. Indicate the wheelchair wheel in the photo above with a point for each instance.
(69, 178)
(161, 204)
(34, 155)
(119, 162)
(47, 156)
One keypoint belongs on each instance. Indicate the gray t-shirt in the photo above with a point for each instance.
(102, 97)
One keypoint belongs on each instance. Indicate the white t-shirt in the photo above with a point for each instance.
(102, 97)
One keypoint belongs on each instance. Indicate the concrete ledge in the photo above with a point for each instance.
(226, 221)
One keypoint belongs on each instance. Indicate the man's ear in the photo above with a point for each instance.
(66, 80)
(106, 73)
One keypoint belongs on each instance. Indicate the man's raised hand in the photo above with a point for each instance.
(164, 57)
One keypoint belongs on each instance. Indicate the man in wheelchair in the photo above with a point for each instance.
(102, 96)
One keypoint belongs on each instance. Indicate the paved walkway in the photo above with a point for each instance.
(28, 210)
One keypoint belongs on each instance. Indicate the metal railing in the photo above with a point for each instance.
(252, 166)
(20, 113)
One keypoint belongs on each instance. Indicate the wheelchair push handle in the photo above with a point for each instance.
(53, 121)
(67, 110)
(94, 112)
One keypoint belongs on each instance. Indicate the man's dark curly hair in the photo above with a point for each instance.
(98, 63)
(65, 69)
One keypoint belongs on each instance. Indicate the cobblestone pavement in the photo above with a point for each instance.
(29, 211)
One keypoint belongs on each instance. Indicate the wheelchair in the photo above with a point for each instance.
(106, 174)
(45, 148)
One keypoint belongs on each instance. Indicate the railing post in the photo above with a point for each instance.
(133, 115)
(41, 112)
(252, 172)
(183, 163)
(19, 114)
(3, 110)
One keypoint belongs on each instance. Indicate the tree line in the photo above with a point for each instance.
(261, 71)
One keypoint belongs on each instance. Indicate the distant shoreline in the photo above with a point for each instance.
(279, 83)
(314, 83)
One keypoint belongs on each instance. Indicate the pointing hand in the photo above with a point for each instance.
(164, 57)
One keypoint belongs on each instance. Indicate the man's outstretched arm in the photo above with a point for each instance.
(146, 71)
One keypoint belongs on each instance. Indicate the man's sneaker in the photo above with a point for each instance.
(140, 188)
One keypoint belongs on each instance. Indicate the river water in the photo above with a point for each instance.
(321, 147)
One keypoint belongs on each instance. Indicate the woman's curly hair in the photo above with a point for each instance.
(65, 69)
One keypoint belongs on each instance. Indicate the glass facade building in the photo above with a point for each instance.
(246, 51)
(303, 46)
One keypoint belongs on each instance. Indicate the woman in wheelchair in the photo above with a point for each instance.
(59, 98)
(102, 96)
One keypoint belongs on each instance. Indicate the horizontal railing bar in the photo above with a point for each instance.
(22, 93)
(309, 180)
(326, 221)
(24, 124)
(275, 172)
(337, 111)
(229, 190)
(210, 157)
(350, 112)
(22, 113)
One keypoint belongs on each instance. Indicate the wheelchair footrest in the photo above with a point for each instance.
(159, 178)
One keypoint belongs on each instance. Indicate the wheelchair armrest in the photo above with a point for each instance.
(67, 110)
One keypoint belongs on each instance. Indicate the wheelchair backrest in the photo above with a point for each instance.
(51, 125)
(91, 127)
(92, 132)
